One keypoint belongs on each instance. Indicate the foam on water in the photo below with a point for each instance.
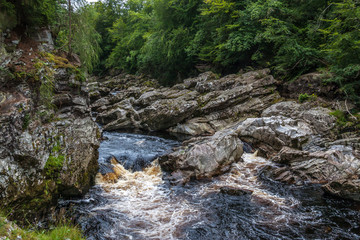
(140, 205)
(150, 210)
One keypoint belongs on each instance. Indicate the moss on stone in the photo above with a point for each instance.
(59, 62)
(345, 120)
(55, 162)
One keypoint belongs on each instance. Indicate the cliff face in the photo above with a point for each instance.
(48, 140)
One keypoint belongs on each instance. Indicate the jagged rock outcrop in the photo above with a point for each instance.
(270, 134)
(48, 144)
(287, 124)
(307, 150)
(199, 106)
(318, 118)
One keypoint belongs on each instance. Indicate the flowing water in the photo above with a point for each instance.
(136, 203)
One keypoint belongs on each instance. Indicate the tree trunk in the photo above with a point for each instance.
(69, 1)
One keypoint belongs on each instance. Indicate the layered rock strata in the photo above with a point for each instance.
(48, 145)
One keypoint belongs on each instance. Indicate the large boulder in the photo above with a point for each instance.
(193, 127)
(204, 157)
(121, 116)
(318, 118)
(165, 113)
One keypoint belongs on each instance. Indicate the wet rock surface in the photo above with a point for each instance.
(337, 169)
(241, 202)
(45, 152)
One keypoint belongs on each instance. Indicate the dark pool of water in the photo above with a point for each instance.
(134, 151)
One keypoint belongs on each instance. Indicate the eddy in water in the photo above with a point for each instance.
(132, 201)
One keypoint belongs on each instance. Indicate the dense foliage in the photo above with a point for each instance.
(172, 39)
(29, 12)
(169, 39)
(27, 16)
(85, 40)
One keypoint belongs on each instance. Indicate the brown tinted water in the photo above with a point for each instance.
(241, 204)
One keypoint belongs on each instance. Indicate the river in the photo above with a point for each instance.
(136, 203)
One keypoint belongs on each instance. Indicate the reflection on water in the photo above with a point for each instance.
(237, 205)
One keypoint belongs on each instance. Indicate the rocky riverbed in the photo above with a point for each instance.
(137, 200)
(222, 115)
(49, 143)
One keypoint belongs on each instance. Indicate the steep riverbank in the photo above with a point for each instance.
(48, 140)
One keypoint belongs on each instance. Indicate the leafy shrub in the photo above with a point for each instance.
(303, 97)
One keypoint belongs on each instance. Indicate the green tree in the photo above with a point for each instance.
(342, 46)
(108, 12)
(84, 37)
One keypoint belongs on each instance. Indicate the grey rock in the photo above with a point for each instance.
(62, 100)
(192, 82)
(336, 169)
(221, 101)
(318, 118)
(272, 133)
(31, 139)
(287, 109)
(193, 127)
(79, 101)
(165, 113)
(149, 97)
(204, 157)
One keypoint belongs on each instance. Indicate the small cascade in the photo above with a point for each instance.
(151, 211)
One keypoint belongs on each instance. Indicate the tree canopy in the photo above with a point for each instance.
(170, 39)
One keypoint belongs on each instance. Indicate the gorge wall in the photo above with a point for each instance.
(48, 140)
